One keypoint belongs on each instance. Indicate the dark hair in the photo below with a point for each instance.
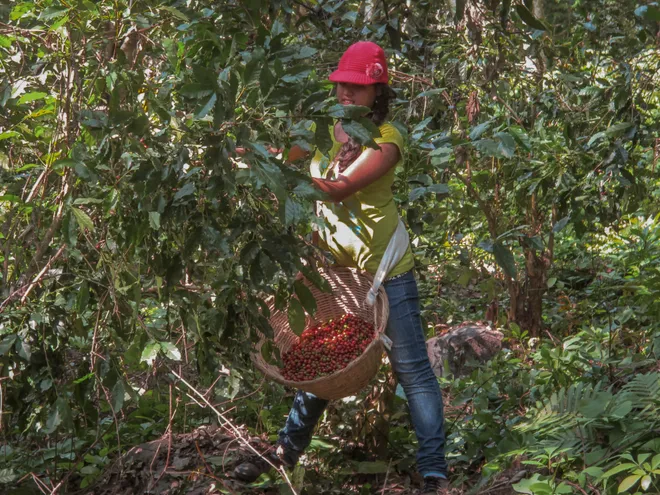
(351, 149)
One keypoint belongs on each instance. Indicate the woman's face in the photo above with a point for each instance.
(356, 94)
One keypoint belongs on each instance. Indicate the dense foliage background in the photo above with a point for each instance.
(133, 246)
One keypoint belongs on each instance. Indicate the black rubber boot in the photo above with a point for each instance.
(250, 470)
(434, 485)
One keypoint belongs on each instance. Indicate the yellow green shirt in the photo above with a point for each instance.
(365, 221)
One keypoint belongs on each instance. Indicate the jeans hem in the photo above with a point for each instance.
(435, 474)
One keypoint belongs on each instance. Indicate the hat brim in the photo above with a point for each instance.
(350, 77)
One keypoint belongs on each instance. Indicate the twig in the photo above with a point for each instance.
(43, 488)
(42, 273)
(387, 474)
(513, 114)
(410, 77)
(114, 415)
(93, 353)
(169, 441)
(243, 396)
(577, 487)
(153, 459)
(208, 468)
(226, 423)
(552, 337)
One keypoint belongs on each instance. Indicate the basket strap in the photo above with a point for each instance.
(387, 342)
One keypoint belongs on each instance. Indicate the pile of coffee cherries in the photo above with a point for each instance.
(326, 348)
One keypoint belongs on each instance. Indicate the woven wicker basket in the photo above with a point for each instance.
(349, 290)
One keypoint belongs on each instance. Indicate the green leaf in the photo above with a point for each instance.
(559, 226)
(628, 483)
(266, 80)
(296, 315)
(622, 410)
(87, 201)
(293, 212)
(60, 415)
(267, 352)
(52, 13)
(507, 146)
(83, 219)
(322, 138)
(594, 472)
(440, 156)
(83, 172)
(317, 443)
(563, 488)
(360, 133)
(347, 111)
(272, 176)
(83, 297)
(596, 405)
(7, 476)
(646, 482)
(430, 92)
(171, 351)
(305, 296)
(438, 189)
(504, 258)
(23, 349)
(20, 10)
(595, 137)
(416, 193)
(118, 393)
(8, 135)
(488, 147)
(618, 469)
(187, 189)
(307, 191)
(649, 12)
(195, 90)
(525, 485)
(154, 220)
(150, 352)
(529, 19)
(7, 344)
(207, 107)
(617, 129)
(176, 13)
(18, 88)
(655, 462)
(521, 137)
(318, 281)
(28, 97)
(478, 130)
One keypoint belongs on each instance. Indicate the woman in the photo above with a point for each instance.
(364, 216)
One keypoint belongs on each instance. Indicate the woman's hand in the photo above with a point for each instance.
(370, 166)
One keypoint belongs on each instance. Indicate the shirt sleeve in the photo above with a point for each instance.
(390, 134)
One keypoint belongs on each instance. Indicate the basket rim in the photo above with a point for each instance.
(272, 371)
(277, 376)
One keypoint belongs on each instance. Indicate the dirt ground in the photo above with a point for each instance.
(201, 463)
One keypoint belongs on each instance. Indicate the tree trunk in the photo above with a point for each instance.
(526, 306)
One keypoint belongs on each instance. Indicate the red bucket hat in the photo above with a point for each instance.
(363, 63)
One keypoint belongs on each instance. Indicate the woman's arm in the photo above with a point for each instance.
(370, 166)
(295, 153)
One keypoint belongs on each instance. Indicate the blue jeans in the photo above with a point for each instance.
(411, 364)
